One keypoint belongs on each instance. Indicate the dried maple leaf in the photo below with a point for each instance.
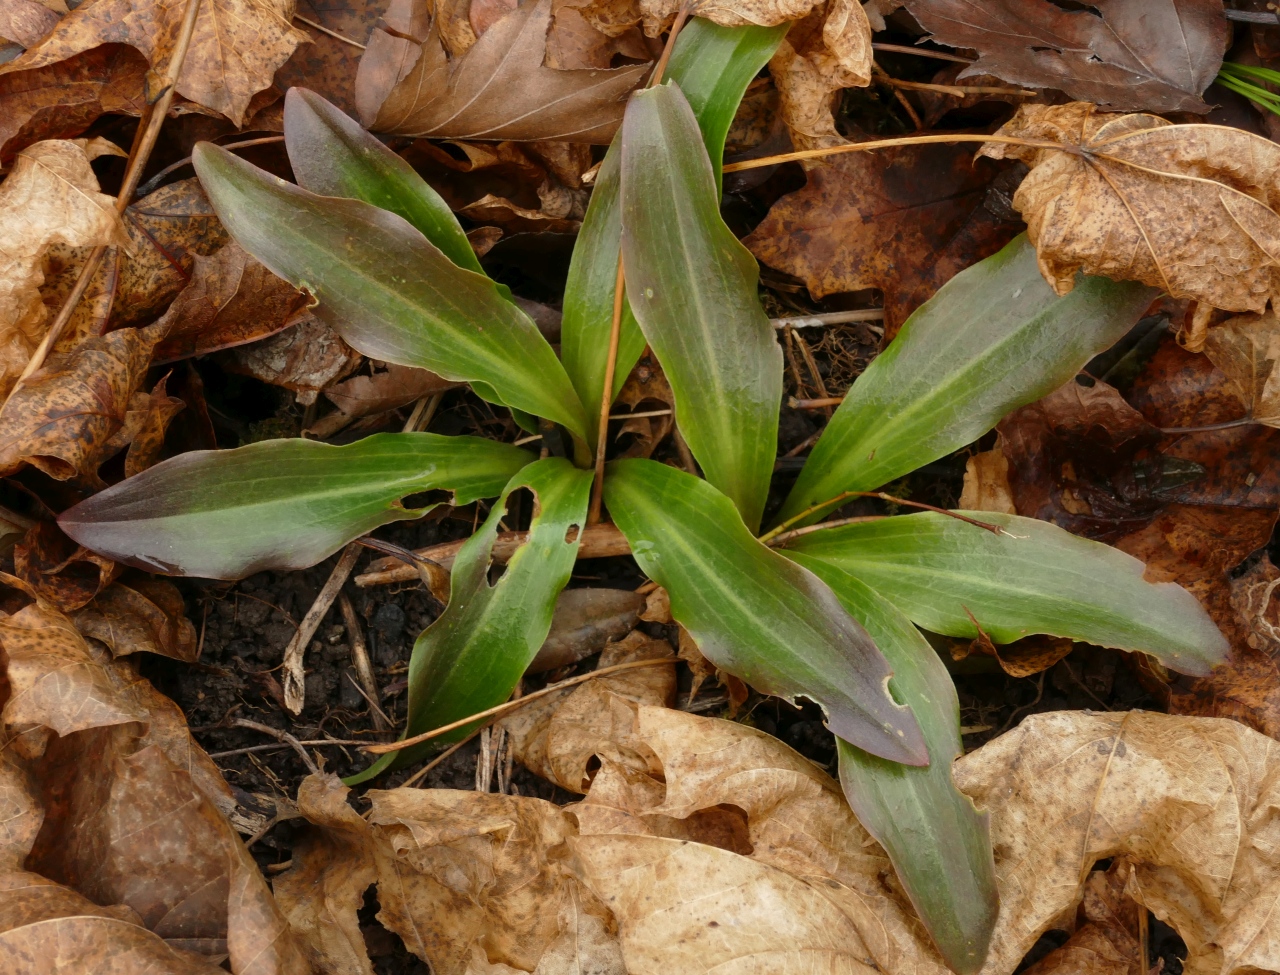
(498, 89)
(235, 51)
(1247, 348)
(231, 300)
(50, 196)
(1158, 55)
(1190, 209)
(902, 220)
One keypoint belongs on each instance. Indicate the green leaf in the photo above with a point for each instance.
(279, 504)
(995, 337)
(387, 290)
(692, 287)
(1034, 578)
(470, 658)
(332, 155)
(713, 66)
(753, 612)
(939, 843)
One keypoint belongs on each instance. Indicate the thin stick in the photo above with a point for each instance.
(606, 398)
(637, 416)
(773, 533)
(294, 682)
(421, 773)
(284, 736)
(508, 706)
(829, 318)
(922, 52)
(660, 69)
(266, 748)
(821, 402)
(144, 141)
(879, 74)
(360, 660)
(1210, 427)
(332, 33)
(777, 540)
(958, 90)
(911, 140)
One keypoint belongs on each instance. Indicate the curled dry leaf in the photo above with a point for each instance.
(1247, 349)
(385, 389)
(63, 418)
(583, 622)
(901, 220)
(1156, 55)
(235, 51)
(557, 737)
(50, 196)
(231, 300)
(24, 22)
(499, 89)
(1190, 209)
(1191, 800)
(142, 614)
(306, 357)
(59, 571)
(60, 101)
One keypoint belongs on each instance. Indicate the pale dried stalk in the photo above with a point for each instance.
(294, 682)
(360, 661)
(911, 140)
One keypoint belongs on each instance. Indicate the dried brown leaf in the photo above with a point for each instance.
(306, 357)
(1190, 800)
(235, 51)
(63, 418)
(583, 622)
(47, 929)
(1247, 348)
(231, 300)
(1189, 209)
(1155, 55)
(986, 483)
(50, 196)
(61, 100)
(904, 221)
(143, 614)
(498, 89)
(328, 65)
(24, 22)
(386, 389)
(59, 571)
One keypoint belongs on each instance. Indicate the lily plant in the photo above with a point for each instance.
(829, 614)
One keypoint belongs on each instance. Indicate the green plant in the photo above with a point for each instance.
(825, 613)
(1243, 80)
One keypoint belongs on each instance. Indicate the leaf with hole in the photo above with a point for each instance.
(279, 504)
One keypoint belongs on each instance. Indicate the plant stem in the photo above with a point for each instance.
(144, 141)
(910, 140)
(510, 705)
(1244, 421)
(845, 495)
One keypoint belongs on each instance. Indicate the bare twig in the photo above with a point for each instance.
(923, 52)
(139, 154)
(511, 705)
(251, 749)
(158, 178)
(784, 537)
(829, 318)
(910, 140)
(1244, 421)
(606, 397)
(360, 661)
(283, 736)
(332, 33)
(294, 682)
(820, 403)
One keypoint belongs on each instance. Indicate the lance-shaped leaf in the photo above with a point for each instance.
(713, 66)
(692, 288)
(939, 843)
(1032, 578)
(332, 155)
(279, 504)
(753, 612)
(387, 290)
(995, 337)
(470, 658)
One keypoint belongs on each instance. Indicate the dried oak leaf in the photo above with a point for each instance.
(59, 571)
(1190, 209)
(231, 300)
(50, 196)
(499, 89)
(1191, 800)
(1155, 55)
(62, 419)
(1246, 348)
(902, 220)
(47, 929)
(235, 51)
(61, 100)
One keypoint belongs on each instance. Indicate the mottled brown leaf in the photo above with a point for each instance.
(583, 622)
(904, 221)
(306, 357)
(50, 196)
(386, 389)
(140, 614)
(327, 65)
(231, 300)
(61, 572)
(1190, 209)
(24, 22)
(498, 89)
(235, 51)
(60, 101)
(1246, 348)
(62, 419)
(1155, 55)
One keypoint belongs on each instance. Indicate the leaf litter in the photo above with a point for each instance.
(627, 833)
